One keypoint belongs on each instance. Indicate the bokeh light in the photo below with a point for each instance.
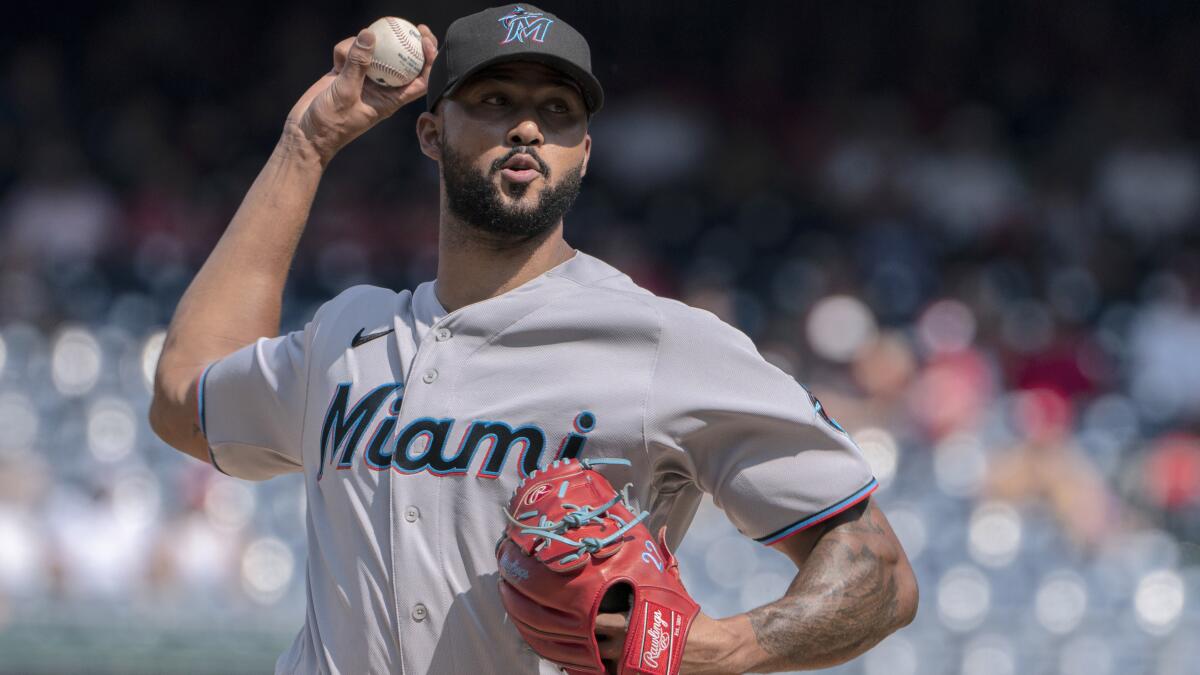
(839, 326)
(959, 465)
(885, 367)
(111, 429)
(136, 498)
(229, 503)
(20, 555)
(964, 598)
(200, 553)
(946, 326)
(1158, 601)
(952, 392)
(910, 529)
(989, 655)
(267, 568)
(995, 534)
(75, 361)
(881, 452)
(1061, 602)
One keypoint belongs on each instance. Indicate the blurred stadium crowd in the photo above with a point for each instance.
(974, 231)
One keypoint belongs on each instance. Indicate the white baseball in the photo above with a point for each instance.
(398, 54)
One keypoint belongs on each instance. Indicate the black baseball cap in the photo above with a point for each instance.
(512, 33)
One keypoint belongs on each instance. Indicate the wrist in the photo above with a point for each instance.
(718, 645)
(738, 644)
(294, 148)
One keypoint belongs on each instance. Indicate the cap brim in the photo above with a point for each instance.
(593, 94)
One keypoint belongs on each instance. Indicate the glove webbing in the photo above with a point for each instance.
(548, 530)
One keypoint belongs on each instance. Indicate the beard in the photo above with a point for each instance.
(473, 197)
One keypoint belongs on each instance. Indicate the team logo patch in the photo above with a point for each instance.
(521, 24)
(824, 415)
(661, 627)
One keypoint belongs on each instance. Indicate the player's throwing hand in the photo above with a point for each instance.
(343, 104)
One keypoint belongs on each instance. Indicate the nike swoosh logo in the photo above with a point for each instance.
(360, 339)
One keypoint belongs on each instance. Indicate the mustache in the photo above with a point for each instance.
(517, 150)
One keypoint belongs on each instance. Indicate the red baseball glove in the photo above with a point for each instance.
(571, 541)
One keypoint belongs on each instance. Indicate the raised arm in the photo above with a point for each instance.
(235, 298)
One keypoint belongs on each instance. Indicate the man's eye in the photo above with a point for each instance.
(495, 99)
(559, 107)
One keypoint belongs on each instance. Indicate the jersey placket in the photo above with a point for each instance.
(420, 593)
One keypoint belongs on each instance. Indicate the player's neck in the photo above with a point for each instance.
(472, 267)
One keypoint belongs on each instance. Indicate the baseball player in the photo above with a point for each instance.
(413, 414)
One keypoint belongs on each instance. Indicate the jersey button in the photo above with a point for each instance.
(442, 334)
(411, 514)
(419, 612)
(429, 376)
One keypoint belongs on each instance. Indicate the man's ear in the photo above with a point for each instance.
(429, 134)
(587, 153)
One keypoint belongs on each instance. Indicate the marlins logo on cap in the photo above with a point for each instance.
(512, 33)
(523, 24)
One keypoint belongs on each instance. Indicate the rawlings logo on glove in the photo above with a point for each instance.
(571, 540)
(659, 635)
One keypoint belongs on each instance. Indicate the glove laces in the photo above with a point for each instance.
(550, 530)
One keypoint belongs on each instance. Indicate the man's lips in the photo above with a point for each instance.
(520, 168)
(520, 175)
(521, 161)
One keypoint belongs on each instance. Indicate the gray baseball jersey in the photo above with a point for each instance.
(413, 425)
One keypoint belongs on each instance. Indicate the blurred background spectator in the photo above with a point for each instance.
(973, 229)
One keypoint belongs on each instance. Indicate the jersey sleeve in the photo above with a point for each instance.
(251, 406)
(746, 432)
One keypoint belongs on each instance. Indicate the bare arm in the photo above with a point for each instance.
(236, 296)
(854, 588)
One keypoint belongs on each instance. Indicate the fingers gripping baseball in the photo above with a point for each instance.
(387, 99)
(345, 103)
(348, 85)
(417, 88)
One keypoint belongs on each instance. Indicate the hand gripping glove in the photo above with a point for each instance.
(572, 538)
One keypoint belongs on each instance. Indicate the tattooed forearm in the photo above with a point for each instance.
(854, 588)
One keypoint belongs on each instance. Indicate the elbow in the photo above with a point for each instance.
(161, 423)
(154, 416)
(908, 595)
(173, 410)
(176, 426)
(170, 414)
(158, 419)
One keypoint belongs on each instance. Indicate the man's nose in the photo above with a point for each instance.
(525, 133)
